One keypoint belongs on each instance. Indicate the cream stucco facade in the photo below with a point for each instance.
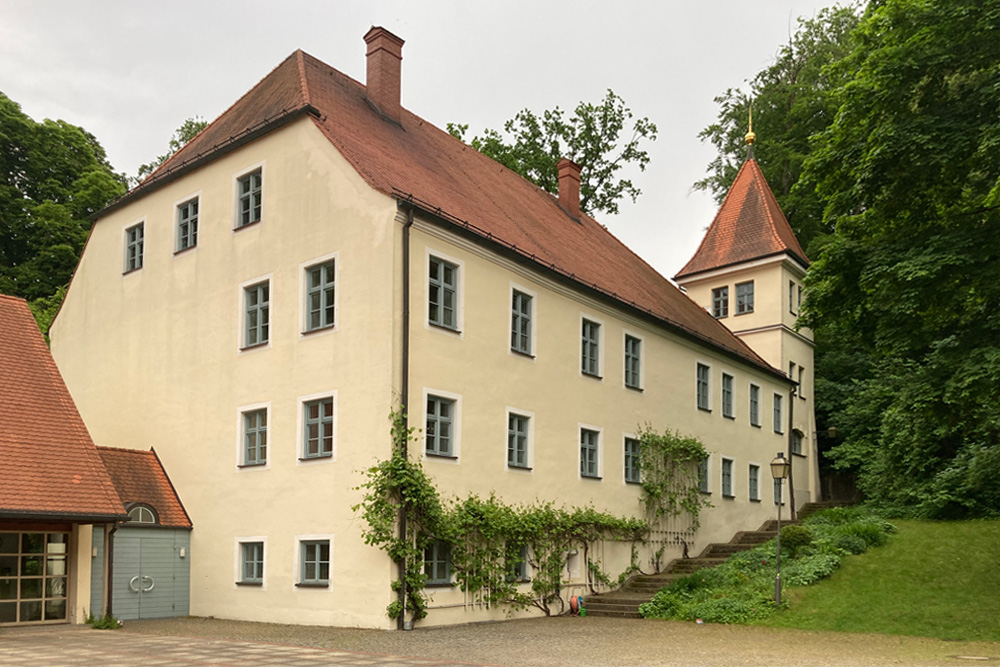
(157, 356)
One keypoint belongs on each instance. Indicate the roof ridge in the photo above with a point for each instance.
(302, 74)
(106, 448)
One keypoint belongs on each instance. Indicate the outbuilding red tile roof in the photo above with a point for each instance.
(49, 466)
(748, 226)
(415, 160)
(139, 477)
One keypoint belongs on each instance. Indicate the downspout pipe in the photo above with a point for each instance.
(109, 556)
(404, 391)
(791, 438)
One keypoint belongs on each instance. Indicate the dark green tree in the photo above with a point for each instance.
(602, 138)
(183, 134)
(909, 280)
(53, 177)
(793, 99)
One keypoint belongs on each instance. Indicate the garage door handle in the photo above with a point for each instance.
(151, 584)
(132, 586)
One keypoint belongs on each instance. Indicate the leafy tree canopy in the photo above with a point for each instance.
(183, 134)
(602, 138)
(53, 177)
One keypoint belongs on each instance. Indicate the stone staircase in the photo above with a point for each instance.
(624, 603)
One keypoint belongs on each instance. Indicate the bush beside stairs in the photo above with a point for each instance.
(624, 603)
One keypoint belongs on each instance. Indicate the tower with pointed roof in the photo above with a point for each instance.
(747, 273)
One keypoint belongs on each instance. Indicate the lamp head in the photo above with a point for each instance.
(780, 466)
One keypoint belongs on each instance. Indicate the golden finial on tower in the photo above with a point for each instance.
(750, 135)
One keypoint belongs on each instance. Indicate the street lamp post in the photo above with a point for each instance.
(780, 467)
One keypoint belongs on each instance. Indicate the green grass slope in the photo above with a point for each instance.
(932, 579)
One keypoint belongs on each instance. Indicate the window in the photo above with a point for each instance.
(318, 436)
(702, 386)
(33, 577)
(251, 562)
(703, 476)
(589, 450)
(801, 382)
(255, 437)
(257, 314)
(187, 225)
(633, 359)
(142, 514)
(250, 198)
(517, 440)
(520, 322)
(753, 482)
(720, 302)
(518, 566)
(315, 565)
(754, 405)
(442, 293)
(727, 395)
(796, 441)
(778, 426)
(440, 421)
(798, 299)
(320, 293)
(590, 349)
(791, 298)
(727, 478)
(744, 298)
(437, 563)
(133, 247)
(791, 371)
(632, 468)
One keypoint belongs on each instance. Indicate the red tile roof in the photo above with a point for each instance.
(140, 478)
(748, 226)
(49, 466)
(413, 159)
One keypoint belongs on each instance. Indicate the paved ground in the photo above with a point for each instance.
(580, 642)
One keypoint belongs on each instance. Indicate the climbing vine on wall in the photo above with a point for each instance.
(488, 538)
(670, 474)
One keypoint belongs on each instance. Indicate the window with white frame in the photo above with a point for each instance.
(321, 296)
(140, 513)
(753, 482)
(314, 565)
(134, 246)
(187, 224)
(754, 405)
(518, 566)
(317, 419)
(437, 563)
(255, 437)
(727, 478)
(520, 322)
(796, 441)
(250, 199)
(590, 348)
(439, 426)
(779, 426)
(701, 386)
(442, 293)
(727, 395)
(703, 483)
(590, 449)
(251, 563)
(720, 302)
(744, 298)
(517, 440)
(633, 362)
(632, 463)
(256, 316)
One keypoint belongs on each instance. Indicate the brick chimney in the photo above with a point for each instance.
(385, 57)
(569, 187)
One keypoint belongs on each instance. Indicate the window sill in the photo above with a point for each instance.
(518, 581)
(444, 327)
(309, 332)
(128, 271)
(721, 317)
(317, 457)
(258, 584)
(749, 312)
(728, 496)
(779, 433)
(433, 455)
(521, 353)
(638, 389)
(318, 584)
(755, 425)
(593, 477)
(633, 482)
(708, 410)
(252, 223)
(729, 417)
(254, 346)
(800, 455)
(511, 466)
(184, 250)
(755, 500)
(704, 493)
(440, 584)
(591, 375)
(252, 465)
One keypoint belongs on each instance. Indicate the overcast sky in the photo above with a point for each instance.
(132, 72)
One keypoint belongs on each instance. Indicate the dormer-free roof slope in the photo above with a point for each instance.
(413, 160)
(49, 467)
(748, 226)
(139, 477)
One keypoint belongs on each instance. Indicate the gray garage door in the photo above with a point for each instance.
(151, 577)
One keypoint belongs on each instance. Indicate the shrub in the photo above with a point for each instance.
(795, 537)
(809, 569)
(849, 543)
